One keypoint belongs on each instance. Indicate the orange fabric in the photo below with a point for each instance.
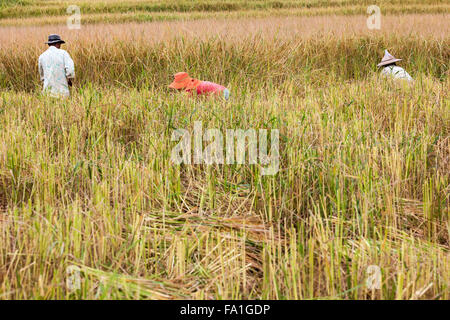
(183, 81)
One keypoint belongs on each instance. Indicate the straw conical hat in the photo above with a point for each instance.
(387, 59)
(183, 81)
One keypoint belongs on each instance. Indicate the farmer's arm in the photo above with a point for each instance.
(69, 68)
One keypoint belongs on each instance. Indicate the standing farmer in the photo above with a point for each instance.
(391, 69)
(56, 68)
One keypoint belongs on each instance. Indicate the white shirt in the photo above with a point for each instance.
(396, 72)
(55, 67)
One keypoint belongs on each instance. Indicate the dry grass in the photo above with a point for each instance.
(426, 25)
(364, 181)
(143, 16)
(239, 51)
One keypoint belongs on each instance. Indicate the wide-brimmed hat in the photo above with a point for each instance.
(54, 38)
(183, 81)
(387, 59)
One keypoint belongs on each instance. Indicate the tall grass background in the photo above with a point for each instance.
(363, 179)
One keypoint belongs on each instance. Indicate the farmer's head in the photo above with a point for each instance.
(183, 81)
(55, 40)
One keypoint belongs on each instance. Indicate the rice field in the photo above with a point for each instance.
(51, 12)
(88, 184)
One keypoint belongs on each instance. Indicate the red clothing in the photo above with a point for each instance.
(206, 87)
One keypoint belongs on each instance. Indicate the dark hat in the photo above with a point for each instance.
(54, 38)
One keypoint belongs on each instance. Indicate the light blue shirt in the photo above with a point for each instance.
(55, 67)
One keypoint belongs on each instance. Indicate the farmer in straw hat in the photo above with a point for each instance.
(56, 68)
(182, 81)
(391, 69)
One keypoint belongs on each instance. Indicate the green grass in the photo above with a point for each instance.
(363, 181)
(15, 3)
